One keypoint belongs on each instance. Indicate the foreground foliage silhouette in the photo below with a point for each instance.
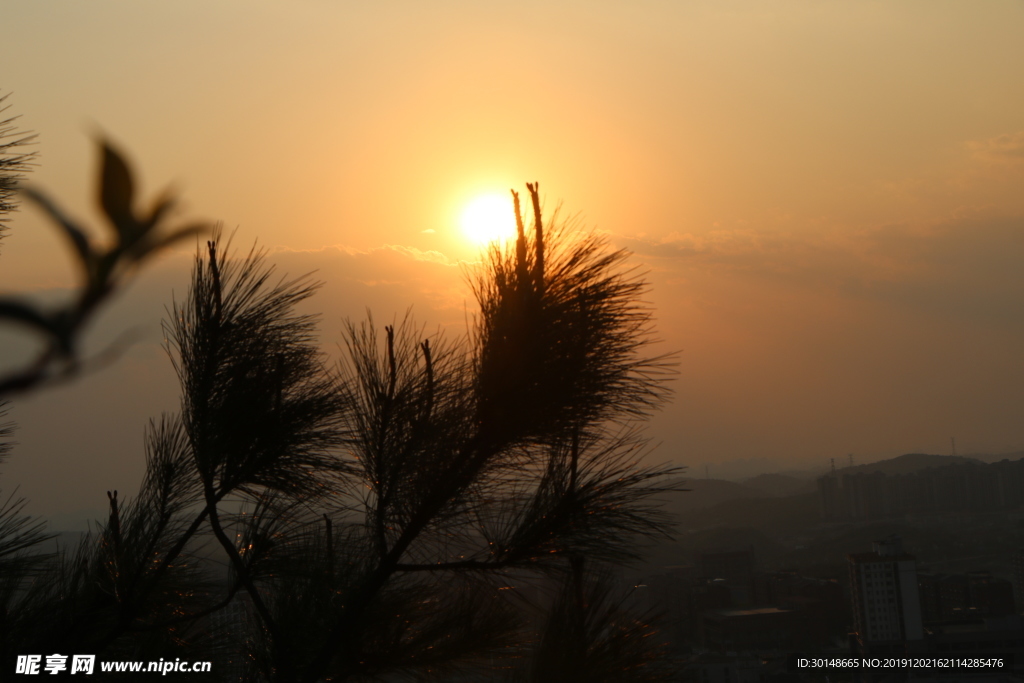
(136, 236)
(384, 519)
(18, 533)
(14, 161)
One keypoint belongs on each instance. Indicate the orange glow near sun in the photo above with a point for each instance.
(488, 218)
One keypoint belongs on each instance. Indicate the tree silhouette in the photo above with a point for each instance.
(136, 237)
(20, 535)
(378, 519)
(14, 161)
(590, 635)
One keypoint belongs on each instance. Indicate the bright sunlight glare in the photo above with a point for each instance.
(489, 218)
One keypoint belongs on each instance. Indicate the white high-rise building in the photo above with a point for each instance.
(886, 604)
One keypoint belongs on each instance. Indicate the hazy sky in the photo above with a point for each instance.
(828, 197)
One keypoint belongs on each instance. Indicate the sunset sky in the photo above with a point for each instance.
(828, 198)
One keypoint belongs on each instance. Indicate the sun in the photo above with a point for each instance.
(489, 218)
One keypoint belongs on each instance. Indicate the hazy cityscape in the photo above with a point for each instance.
(766, 567)
(769, 566)
(773, 565)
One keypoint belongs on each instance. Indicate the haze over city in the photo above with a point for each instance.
(825, 198)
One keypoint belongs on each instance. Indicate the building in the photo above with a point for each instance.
(821, 605)
(734, 568)
(750, 630)
(884, 593)
(964, 596)
(680, 598)
(956, 488)
(1003, 635)
(1018, 580)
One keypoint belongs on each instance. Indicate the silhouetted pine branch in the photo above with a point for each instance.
(374, 523)
(503, 456)
(563, 345)
(13, 161)
(259, 409)
(590, 635)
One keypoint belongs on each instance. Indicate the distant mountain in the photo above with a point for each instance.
(909, 463)
(781, 484)
(997, 457)
(810, 475)
(704, 493)
(782, 515)
(709, 493)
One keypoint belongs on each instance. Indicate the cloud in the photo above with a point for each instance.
(962, 267)
(1006, 148)
(873, 341)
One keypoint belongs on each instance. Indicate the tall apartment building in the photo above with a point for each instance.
(886, 604)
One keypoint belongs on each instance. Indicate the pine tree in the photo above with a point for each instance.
(378, 519)
(14, 161)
